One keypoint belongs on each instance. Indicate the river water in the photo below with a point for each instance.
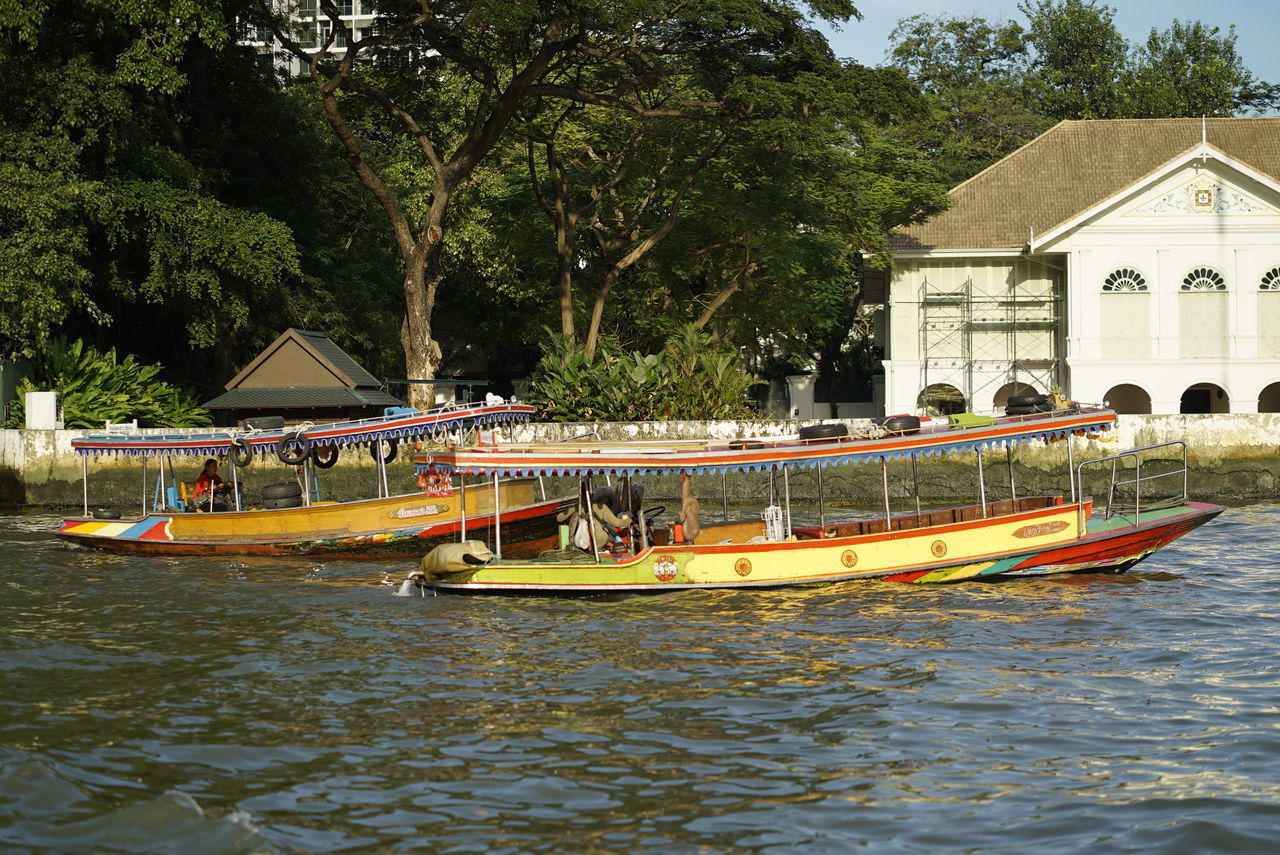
(213, 705)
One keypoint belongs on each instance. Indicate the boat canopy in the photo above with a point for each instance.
(395, 423)
(754, 455)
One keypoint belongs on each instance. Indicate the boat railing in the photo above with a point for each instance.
(1118, 482)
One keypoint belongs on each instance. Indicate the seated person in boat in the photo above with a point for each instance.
(606, 521)
(210, 490)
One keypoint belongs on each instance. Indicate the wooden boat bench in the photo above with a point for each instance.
(944, 516)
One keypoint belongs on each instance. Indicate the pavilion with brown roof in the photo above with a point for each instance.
(1134, 261)
(302, 376)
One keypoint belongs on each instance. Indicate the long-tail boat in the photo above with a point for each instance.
(294, 521)
(1018, 535)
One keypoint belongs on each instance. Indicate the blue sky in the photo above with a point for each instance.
(1257, 24)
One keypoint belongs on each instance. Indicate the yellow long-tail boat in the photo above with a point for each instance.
(1018, 535)
(294, 521)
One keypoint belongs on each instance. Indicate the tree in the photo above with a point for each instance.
(106, 211)
(1193, 70)
(1079, 58)
(496, 58)
(997, 86)
(977, 76)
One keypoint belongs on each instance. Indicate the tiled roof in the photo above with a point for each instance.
(337, 357)
(301, 397)
(1071, 168)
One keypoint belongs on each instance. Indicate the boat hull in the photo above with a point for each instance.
(398, 526)
(1045, 540)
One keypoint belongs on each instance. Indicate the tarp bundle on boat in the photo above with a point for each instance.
(755, 455)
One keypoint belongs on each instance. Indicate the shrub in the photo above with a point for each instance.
(95, 388)
(692, 378)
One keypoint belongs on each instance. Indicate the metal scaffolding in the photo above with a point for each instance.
(983, 341)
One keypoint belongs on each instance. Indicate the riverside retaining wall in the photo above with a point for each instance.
(1231, 456)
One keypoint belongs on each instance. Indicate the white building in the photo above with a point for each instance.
(1130, 261)
(314, 28)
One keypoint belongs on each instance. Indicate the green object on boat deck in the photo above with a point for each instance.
(970, 420)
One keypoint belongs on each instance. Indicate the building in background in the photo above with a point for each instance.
(1135, 262)
(315, 27)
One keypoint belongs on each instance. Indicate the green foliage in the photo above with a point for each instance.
(692, 378)
(95, 388)
(1080, 58)
(114, 204)
(1193, 70)
(996, 86)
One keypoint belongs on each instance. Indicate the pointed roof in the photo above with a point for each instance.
(1073, 167)
(302, 358)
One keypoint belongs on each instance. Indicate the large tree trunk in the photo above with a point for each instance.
(565, 242)
(421, 352)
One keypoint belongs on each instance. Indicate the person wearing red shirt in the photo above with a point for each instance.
(210, 482)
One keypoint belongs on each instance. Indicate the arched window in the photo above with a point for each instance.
(1125, 280)
(1270, 280)
(1204, 279)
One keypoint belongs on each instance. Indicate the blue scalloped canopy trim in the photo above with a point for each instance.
(205, 444)
(958, 446)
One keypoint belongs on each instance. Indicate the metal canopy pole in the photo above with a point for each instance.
(884, 484)
(462, 505)
(235, 483)
(84, 480)
(584, 496)
(1013, 490)
(822, 508)
(724, 492)
(497, 520)
(915, 483)
(982, 485)
(144, 485)
(1071, 468)
(1009, 461)
(786, 487)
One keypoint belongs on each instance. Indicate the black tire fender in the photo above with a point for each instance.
(240, 453)
(744, 444)
(285, 502)
(827, 430)
(281, 491)
(106, 514)
(393, 448)
(264, 423)
(295, 458)
(324, 456)
(1025, 400)
(901, 424)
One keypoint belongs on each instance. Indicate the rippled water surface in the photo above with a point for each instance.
(213, 705)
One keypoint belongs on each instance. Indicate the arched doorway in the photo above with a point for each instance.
(1269, 399)
(941, 399)
(1205, 398)
(1128, 398)
(1008, 390)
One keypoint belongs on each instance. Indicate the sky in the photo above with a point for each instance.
(1257, 24)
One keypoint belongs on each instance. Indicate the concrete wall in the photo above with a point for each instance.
(1235, 455)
